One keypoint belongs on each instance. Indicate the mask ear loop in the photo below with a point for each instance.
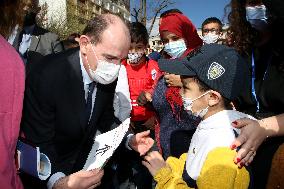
(95, 56)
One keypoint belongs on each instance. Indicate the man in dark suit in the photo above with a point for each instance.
(69, 97)
(32, 40)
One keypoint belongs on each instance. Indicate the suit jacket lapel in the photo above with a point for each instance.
(76, 80)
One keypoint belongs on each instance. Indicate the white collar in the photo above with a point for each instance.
(215, 131)
(225, 116)
(86, 78)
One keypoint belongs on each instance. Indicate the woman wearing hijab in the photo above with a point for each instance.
(174, 125)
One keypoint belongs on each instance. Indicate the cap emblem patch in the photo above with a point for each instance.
(215, 70)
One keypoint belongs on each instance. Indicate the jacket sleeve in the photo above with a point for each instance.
(56, 44)
(38, 120)
(219, 171)
(171, 177)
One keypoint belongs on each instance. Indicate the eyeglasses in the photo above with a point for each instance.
(212, 30)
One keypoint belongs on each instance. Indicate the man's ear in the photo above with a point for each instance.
(214, 98)
(84, 41)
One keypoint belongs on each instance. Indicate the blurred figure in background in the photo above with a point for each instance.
(71, 41)
(32, 41)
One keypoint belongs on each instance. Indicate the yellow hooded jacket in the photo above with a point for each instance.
(218, 172)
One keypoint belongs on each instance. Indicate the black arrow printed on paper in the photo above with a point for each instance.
(103, 150)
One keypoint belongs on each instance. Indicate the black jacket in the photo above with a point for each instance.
(53, 114)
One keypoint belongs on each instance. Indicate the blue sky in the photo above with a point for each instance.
(196, 10)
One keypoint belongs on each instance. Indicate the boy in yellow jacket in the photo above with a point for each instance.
(212, 77)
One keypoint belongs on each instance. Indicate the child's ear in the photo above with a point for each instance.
(214, 98)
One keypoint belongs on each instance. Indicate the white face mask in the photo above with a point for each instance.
(256, 12)
(257, 16)
(105, 73)
(210, 38)
(175, 49)
(188, 103)
(134, 58)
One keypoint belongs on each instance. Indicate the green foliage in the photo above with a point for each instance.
(74, 22)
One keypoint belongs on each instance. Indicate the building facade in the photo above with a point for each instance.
(62, 10)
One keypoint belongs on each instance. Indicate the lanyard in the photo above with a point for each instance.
(253, 78)
(252, 81)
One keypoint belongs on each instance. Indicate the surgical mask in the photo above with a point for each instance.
(105, 73)
(210, 38)
(134, 58)
(175, 49)
(188, 103)
(256, 16)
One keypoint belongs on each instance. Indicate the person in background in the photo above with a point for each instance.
(72, 41)
(12, 84)
(255, 32)
(69, 98)
(208, 163)
(32, 41)
(212, 30)
(175, 126)
(141, 73)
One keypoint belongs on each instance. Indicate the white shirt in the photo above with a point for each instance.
(215, 131)
(121, 101)
(87, 80)
(26, 39)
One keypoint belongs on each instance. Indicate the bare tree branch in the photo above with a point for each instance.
(135, 14)
(161, 5)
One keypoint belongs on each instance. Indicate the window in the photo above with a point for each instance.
(107, 5)
(99, 2)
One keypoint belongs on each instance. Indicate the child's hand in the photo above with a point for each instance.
(172, 80)
(150, 123)
(154, 162)
(143, 98)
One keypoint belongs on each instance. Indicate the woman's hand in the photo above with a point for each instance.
(253, 133)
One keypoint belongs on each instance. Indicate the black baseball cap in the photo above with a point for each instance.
(220, 67)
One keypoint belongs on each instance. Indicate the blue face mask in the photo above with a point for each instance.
(175, 49)
(257, 16)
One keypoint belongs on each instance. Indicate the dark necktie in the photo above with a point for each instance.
(89, 101)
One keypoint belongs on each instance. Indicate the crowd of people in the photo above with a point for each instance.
(205, 112)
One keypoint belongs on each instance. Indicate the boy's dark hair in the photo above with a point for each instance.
(203, 87)
(138, 33)
(212, 20)
(170, 11)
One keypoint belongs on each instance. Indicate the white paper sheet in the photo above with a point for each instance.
(104, 146)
